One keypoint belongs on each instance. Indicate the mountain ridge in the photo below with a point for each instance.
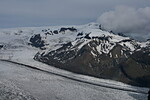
(85, 49)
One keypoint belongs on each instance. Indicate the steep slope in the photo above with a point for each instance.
(85, 49)
(137, 66)
(102, 54)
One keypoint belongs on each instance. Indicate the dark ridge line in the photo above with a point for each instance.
(123, 71)
(111, 87)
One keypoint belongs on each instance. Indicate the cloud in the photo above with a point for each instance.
(125, 19)
(16, 13)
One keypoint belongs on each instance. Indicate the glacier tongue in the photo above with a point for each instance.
(67, 43)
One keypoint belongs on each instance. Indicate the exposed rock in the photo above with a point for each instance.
(48, 33)
(37, 41)
(1, 46)
(55, 32)
(102, 54)
(80, 34)
(121, 34)
(118, 64)
(70, 29)
(149, 95)
(87, 36)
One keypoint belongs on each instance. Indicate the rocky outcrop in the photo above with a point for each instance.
(137, 67)
(1, 46)
(70, 29)
(117, 64)
(37, 41)
(102, 54)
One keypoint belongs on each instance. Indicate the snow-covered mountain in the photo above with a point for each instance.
(85, 49)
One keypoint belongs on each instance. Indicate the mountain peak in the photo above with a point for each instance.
(85, 49)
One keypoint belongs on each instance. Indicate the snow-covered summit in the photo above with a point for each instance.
(86, 49)
(54, 37)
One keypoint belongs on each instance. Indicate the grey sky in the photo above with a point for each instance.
(26, 13)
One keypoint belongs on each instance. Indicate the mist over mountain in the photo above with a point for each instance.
(32, 57)
(128, 20)
(74, 49)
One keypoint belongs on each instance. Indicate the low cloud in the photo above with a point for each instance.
(124, 19)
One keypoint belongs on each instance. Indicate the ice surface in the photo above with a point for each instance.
(43, 86)
(35, 84)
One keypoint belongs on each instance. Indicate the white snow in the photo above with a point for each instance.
(18, 37)
(43, 86)
(93, 54)
(129, 45)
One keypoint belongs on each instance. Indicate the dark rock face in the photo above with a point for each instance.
(48, 33)
(121, 34)
(87, 36)
(137, 67)
(1, 46)
(55, 32)
(149, 95)
(71, 29)
(83, 62)
(101, 56)
(130, 68)
(45, 30)
(148, 39)
(37, 41)
(80, 34)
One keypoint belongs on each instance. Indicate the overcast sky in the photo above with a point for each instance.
(26, 13)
